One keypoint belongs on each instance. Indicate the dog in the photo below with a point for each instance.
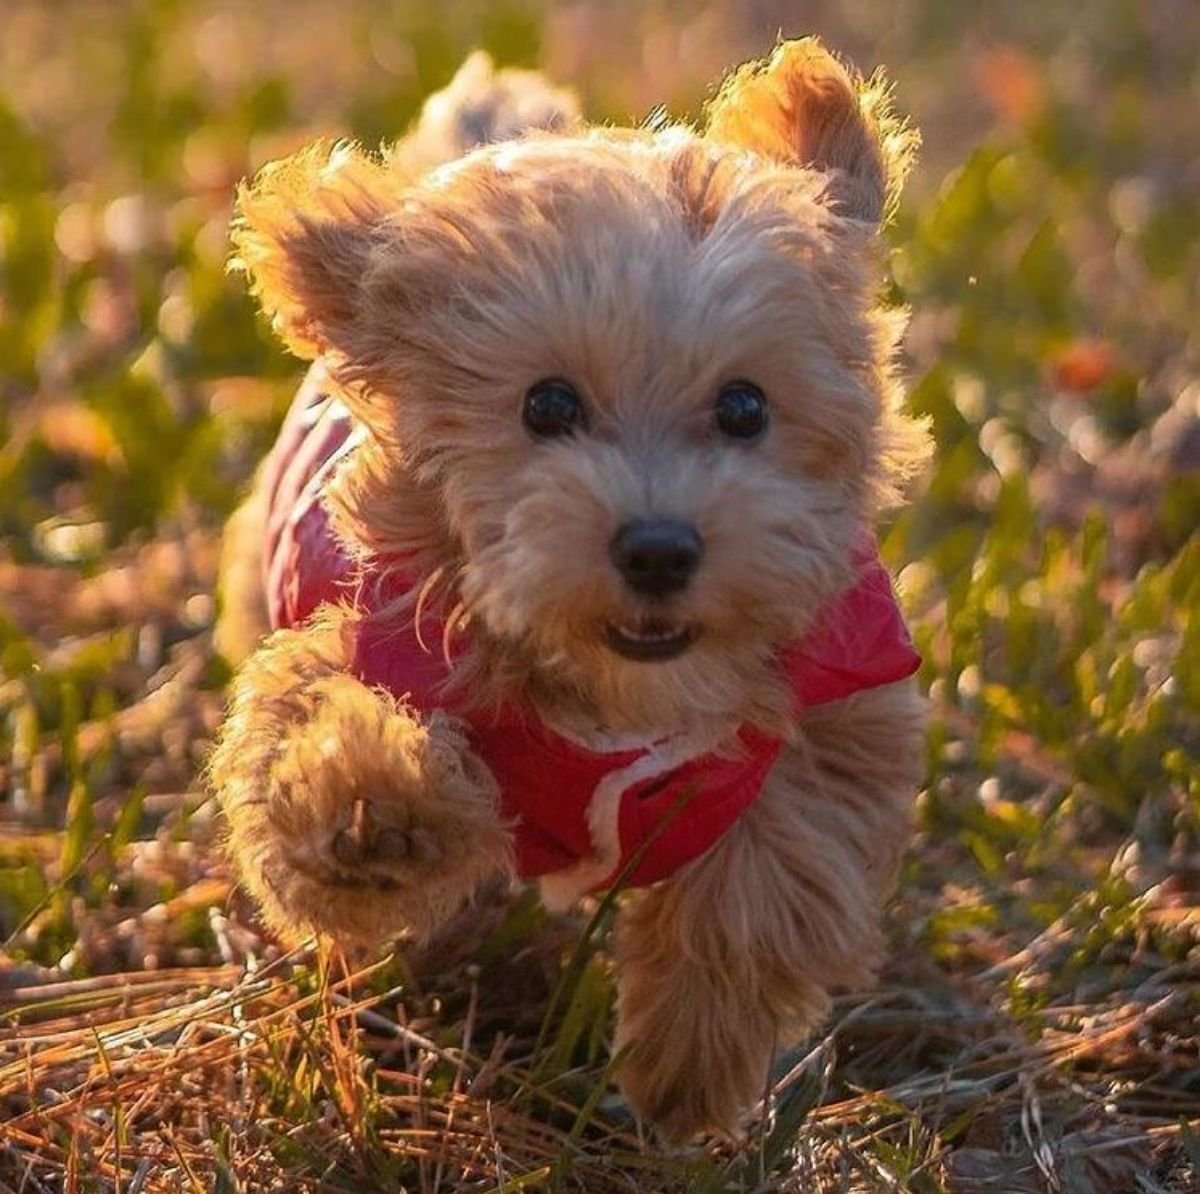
(562, 566)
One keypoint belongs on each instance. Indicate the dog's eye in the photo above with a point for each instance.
(741, 410)
(553, 408)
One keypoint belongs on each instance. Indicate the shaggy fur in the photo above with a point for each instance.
(648, 266)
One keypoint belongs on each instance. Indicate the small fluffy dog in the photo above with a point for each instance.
(565, 545)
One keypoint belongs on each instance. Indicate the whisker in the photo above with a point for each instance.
(448, 630)
(428, 587)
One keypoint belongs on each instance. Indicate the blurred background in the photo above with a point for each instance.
(1049, 245)
(1051, 225)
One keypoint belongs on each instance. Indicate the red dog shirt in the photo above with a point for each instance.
(585, 813)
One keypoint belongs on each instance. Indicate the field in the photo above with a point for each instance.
(1036, 1027)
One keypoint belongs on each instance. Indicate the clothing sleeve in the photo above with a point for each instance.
(860, 642)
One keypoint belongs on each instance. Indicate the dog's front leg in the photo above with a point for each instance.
(735, 955)
(348, 813)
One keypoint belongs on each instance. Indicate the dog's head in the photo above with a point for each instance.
(629, 390)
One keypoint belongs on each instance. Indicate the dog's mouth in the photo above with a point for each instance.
(649, 639)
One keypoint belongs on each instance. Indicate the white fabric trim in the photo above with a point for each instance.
(561, 889)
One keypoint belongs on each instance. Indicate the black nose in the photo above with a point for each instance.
(656, 556)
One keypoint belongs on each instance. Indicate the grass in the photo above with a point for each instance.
(1036, 1027)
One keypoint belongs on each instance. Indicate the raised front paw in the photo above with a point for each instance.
(373, 822)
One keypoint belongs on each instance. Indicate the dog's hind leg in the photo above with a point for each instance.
(242, 621)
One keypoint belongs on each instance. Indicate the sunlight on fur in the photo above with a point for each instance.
(607, 415)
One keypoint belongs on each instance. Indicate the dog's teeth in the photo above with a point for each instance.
(647, 636)
(651, 639)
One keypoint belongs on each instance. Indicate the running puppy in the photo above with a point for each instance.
(562, 566)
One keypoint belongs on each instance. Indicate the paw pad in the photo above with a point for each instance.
(364, 841)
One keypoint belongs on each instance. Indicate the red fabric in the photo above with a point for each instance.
(302, 562)
(547, 780)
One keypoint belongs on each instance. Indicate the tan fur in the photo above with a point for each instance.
(737, 954)
(803, 106)
(243, 620)
(648, 267)
(345, 812)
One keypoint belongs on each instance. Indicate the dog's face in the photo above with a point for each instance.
(631, 390)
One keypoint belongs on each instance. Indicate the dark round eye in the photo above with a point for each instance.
(741, 410)
(552, 408)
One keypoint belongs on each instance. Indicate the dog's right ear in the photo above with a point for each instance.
(803, 107)
(304, 232)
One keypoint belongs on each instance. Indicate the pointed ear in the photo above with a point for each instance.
(803, 107)
(303, 232)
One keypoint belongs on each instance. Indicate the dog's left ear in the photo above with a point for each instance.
(801, 106)
(304, 232)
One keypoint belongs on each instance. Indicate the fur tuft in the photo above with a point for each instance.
(805, 107)
(303, 232)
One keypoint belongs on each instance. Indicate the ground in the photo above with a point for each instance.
(1036, 1026)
